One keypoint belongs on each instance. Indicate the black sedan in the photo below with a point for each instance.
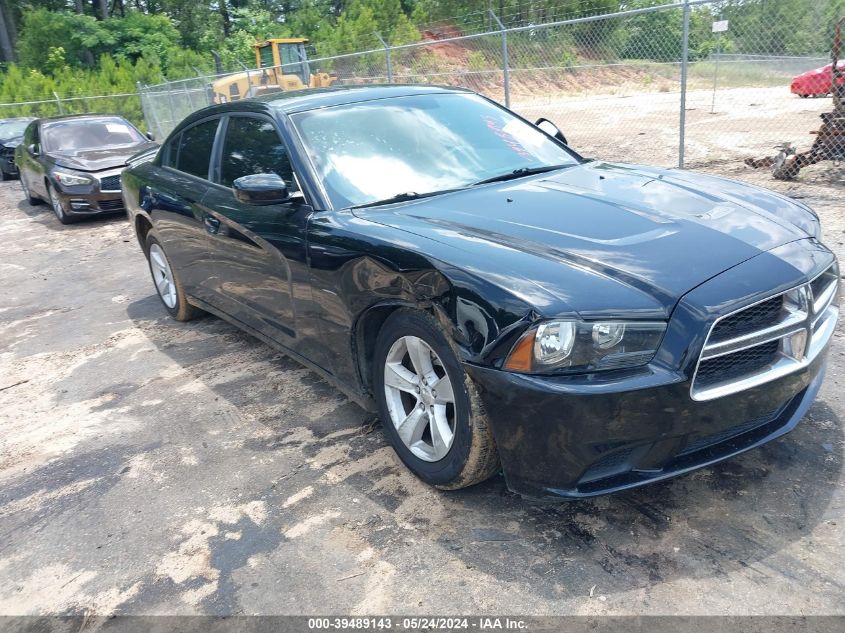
(74, 163)
(501, 301)
(11, 134)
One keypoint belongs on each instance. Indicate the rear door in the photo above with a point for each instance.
(257, 251)
(30, 167)
(174, 202)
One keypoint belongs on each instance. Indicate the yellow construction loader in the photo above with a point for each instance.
(282, 64)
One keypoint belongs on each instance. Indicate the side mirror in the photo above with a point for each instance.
(150, 136)
(551, 129)
(33, 149)
(261, 189)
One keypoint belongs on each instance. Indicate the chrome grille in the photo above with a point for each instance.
(715, 370)
(757, 317)
(110, 183)
(768, 339)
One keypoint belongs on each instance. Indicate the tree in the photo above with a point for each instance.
(6, 37)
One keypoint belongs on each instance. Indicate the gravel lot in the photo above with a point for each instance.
(643, 126)
(148, 466)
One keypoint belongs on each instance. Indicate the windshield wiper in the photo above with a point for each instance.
(402, 197)
(522, 171)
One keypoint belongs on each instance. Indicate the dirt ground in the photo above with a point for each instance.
(150, 467)
(643, 127)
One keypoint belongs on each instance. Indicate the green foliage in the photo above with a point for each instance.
(84, 39)
(115, 77)
(477, 61)
(76, 54)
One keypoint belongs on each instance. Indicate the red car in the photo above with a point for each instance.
(816, 83)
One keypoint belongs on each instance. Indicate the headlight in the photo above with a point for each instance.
(70, 180)
(582, 346)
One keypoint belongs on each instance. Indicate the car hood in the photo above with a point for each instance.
(659, 232)
(12, 141)
(97, 159)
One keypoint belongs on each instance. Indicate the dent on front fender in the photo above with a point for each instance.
(354, 273)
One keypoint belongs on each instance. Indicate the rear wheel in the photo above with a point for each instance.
(56, 203)
(167, 283)
(431, 413)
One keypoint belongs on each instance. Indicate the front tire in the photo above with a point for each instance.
(58, 209)
(167, 282)
(431, 412)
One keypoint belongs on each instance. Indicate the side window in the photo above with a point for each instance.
(195, 147)
(30, 136)
(170, 152)
(253, 146)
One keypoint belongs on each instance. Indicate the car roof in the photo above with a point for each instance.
(313, 98)
(74, 117)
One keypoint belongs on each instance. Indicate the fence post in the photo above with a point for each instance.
(505, 61)
(716, 74)
(684, 75)
(249, 80)
(387, 55)
(148, 109)
(188, 94)
(59, 102)
(173, 120)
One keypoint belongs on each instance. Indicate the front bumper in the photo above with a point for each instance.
(7, 164)
(97, 203)
(102, 196)
(580, 436)
(559, 437)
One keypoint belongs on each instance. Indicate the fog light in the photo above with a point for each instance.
(796, 345)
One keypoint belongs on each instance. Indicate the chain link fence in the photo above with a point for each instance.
(690, 83)
(126, 104)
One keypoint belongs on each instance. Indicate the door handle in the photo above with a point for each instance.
(212, 224)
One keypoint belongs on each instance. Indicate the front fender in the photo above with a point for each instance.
(359, 277)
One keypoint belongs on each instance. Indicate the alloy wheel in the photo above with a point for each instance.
(420, 398)
(162, 276)
(56, 204)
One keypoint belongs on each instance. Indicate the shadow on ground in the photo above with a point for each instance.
(733, 516)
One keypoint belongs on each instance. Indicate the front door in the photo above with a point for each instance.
(255, 252)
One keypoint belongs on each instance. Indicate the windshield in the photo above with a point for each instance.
(75, 135)
(11, 129)
(375, 150)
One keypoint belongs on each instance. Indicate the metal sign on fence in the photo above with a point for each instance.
(720, 26)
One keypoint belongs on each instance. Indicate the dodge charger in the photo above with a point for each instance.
(501, 302)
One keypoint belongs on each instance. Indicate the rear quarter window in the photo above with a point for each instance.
(194, 148)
